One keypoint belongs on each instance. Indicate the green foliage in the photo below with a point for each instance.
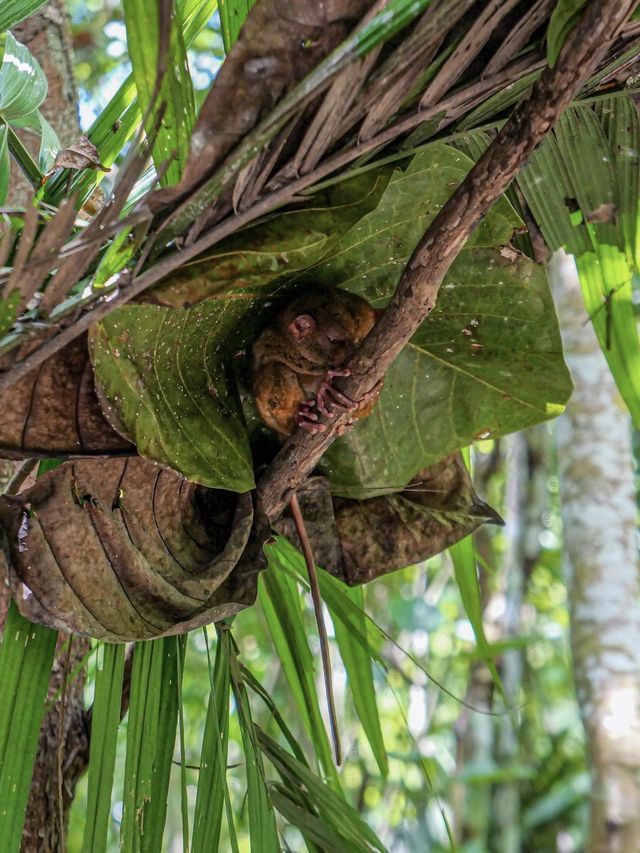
(581, 186)
(27, 650)
(408, 763)
(121, 116)
(14, 11)
(163, 369)
(174, 96)
(564, 18)
(350, 625)
(213, 792)
(23, 86)
(232, 16)
(280, 601)
(153, 715)
(5, 166)
(8, 309)
(105, 720)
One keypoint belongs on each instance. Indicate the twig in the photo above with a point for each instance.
(418, 288)
(15, 483)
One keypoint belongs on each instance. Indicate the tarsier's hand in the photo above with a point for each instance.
(330, 401)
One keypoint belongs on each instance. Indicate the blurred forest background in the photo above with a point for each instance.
(477, 761)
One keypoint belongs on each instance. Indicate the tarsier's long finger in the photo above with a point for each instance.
(308, 419)
(370, 395)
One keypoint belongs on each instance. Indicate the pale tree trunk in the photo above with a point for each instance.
(507, 795)
(603, 579)
(62, 749)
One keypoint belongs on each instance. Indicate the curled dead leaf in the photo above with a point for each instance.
(359, 541)
(123, 550)
(83, 154)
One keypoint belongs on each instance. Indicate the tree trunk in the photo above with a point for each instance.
(62, 749)
(603, 581)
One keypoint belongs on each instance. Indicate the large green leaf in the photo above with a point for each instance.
(581, 186)
(23, 86)
(488, 360)
(162, 374)
(173, 94)
(284, 244)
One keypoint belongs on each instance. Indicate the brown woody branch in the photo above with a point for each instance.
(417, 291)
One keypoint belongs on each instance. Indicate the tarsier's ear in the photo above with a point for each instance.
(301, 327)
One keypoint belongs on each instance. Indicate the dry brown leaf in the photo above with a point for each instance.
(359, 541)
(123, 550)
(54, 411)
(83, 154)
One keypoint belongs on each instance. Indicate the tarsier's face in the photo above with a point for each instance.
(322, 342)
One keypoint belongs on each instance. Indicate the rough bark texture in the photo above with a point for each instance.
(417, 291)
(61, 758)
(603, 576)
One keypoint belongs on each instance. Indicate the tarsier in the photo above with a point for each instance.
(295, 360)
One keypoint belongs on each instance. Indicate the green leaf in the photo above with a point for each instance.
(355, 649)
(487, 361)
(5, 170)
(27, 650)
(332, 807)
(151, 729)
(14, 11)
(464, 565)
(563, 19)
(581, 186)
(284, 244)
(359, 666)
(175, 92)
(23, 86)
(232, 17)
(161, 372)
(282, 607)
(262, 823)
(104, 735)
(49, 144)
(213, 791)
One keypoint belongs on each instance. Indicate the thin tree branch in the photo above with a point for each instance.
(417, 291)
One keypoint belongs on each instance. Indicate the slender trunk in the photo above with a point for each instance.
(603, 581)
(507, 795)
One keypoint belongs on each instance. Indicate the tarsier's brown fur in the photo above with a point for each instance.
(314, 336)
